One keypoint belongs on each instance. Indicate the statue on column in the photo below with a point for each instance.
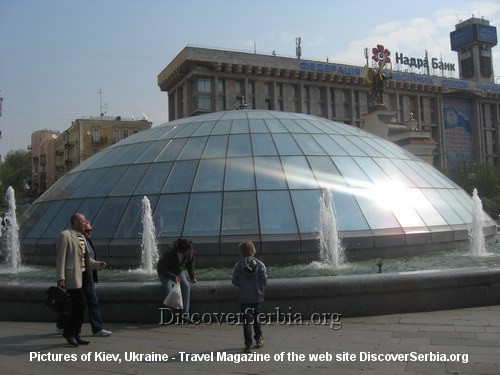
(377, 76)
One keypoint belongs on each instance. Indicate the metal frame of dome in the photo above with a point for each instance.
(229, 176)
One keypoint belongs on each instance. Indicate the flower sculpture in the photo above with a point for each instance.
(381, 55)
(376, 77)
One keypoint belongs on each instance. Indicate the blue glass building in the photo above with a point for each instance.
(224, 177)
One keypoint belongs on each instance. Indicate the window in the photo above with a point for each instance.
(116, 135)
(96, 135)
(467, 68)
(485, 66)
(125, 133)
(202, 94)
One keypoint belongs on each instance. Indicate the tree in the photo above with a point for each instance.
(15, 171)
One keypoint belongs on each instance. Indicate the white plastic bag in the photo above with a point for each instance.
(174, 298)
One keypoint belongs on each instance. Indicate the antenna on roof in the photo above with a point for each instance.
(298, 48)
(101, 106)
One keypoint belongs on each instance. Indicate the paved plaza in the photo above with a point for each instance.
(464, 341)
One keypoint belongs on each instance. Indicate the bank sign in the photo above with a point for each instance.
(433, 80)
(424, 63)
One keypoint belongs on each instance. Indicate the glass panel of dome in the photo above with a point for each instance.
(90, 207)
(352, 173)
(325, 172)
(239, 213)
(298, 173)
(269, 173)
(154, 179)
(210, 175)
(380, 145)
(44, 221)
(292, 126)
(62, 188)
(377, 215)
(234, 115)
(240, 126)
(308, 145)
(222, 127)
(216, 146)
(306, 204)
(450, 198)
(257, 114)
(103, 181)
(130, 154)
(203, 215)
(367, 148)
(152, 152)
(82, 180)
(424, 172)
(429, 214)
(444, 209)
(193, 149)
(96, 162)
(131, 224)
(275, 126)
(111, 158)
(171, 131)
(172, 151)
(347, 212)
(33, 214)
(324, 127)
(276, 212)
(108, 217)
(239, 145)
(412, 174)
(169, 214)
(347, 145)
(62, 219)
(263, 145)
(239, 174)
(181, 177)
(309, 126)
(374, 172)
(129, 180)
(465, 208)
(188, 130)
(258, 126)
(204, 129)
(329, 145)
(399, 202)
(394, 173)
(153, 134)
(286, 144)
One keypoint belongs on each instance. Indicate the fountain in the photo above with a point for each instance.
(477, 242)
(149, 246)
(12, 232)
(331, 249)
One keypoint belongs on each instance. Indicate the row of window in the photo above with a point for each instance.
(252, 212)
(422, 108)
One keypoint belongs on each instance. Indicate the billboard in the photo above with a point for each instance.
(458, 131)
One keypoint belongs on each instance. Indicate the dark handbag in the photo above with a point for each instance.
(58, 300)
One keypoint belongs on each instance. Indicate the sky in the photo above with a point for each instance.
(61, 60)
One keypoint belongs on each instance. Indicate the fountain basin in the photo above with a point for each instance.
(349, 295)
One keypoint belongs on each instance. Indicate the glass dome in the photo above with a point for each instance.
(224, 177)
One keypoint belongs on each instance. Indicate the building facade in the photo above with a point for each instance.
(59, 153)
(446, 121)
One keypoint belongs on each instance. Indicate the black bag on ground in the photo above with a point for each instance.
(58, 300)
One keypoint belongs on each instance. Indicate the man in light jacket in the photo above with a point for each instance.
(73, 274)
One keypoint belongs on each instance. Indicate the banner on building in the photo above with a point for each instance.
(458, 134)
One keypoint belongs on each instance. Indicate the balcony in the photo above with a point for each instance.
(99, 140)
(68, 145)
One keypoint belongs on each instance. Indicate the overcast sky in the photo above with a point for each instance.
(56, 55)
